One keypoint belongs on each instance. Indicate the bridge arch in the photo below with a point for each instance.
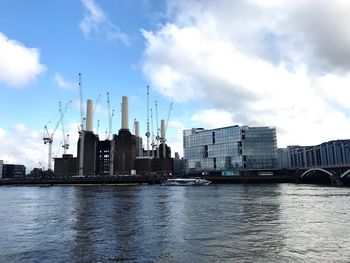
(343, 175)
(318, 169)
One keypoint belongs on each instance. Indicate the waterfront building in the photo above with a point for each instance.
(13, 171)
(120, 154)
(230, 148)
(1, 167)
(67, 165)
(332, 153)
(283, 158)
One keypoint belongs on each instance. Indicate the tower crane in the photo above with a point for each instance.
(152, 135)
(158, 129)
(48, 138)
(97, 127)
(81, 132)
(110, 136)
(163, 136)
(148, 133)
(65, 138)
(167, 121)
(110, 117)
(98, 99)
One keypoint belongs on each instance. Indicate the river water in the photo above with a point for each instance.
(217, 223)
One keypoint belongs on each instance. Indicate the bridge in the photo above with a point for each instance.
(330, 175)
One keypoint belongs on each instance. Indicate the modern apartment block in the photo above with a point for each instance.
(230, 148)
(330, 153)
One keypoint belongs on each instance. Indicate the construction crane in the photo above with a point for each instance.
(158, 130)
(164, 128)
(98, 99)
(148, 133)
(110, 117)
(82, 115)
(110, 135)
(65, 144)
(167, 121)
(48, 138)
(96, 103)
(97, 127)
(81, 132)
(152, 135)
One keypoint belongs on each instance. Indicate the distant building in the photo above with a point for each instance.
(122, 154)
(283, 158)
(1, 167)
(67, 165)
(330, 153)
(230, 149)
(13, 171)
(179, 167)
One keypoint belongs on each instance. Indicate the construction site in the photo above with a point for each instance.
(120, 154)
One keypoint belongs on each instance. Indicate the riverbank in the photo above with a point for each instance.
(144, 180)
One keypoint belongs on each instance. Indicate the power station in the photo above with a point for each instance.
(119, 154)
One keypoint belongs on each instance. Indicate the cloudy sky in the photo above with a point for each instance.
(279, 63)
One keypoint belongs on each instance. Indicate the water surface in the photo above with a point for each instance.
(219, 223)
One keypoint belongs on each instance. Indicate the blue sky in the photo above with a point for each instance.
(247, 62)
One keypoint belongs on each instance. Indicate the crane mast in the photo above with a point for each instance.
(148, 133)
(98, 99)
(110, 135)
(82, 132)
(65, 138)
(152, 135)
(167, 121)
(48, 138)
(158, 130)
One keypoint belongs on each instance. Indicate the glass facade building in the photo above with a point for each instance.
(230, 148)
(332, 153)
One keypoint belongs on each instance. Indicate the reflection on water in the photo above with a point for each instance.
(225, 223)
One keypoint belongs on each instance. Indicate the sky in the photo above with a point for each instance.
(279, 63)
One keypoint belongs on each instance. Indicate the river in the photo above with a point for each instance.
(217, 223)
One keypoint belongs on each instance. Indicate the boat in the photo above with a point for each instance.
(186, 182)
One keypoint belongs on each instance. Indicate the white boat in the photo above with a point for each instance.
(186, 182)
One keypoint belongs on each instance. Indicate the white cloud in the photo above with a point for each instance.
(257, 63)
(212, 118)
(18, 64)
(22, 145)
(96, 22)
(63, 83)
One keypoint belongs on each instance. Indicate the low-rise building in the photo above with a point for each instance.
(12, 171)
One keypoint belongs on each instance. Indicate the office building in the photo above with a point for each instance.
(231, 148)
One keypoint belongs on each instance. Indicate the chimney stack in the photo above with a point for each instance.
(89, 116)
(162, 129)
(137, 128)
(125, 113)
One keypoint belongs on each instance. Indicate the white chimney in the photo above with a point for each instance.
(125, 113)
(89, 117)
(137, 128)
(162, 129)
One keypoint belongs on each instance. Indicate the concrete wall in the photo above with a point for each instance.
(66, 166)
(125, 152)
(90, 153)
